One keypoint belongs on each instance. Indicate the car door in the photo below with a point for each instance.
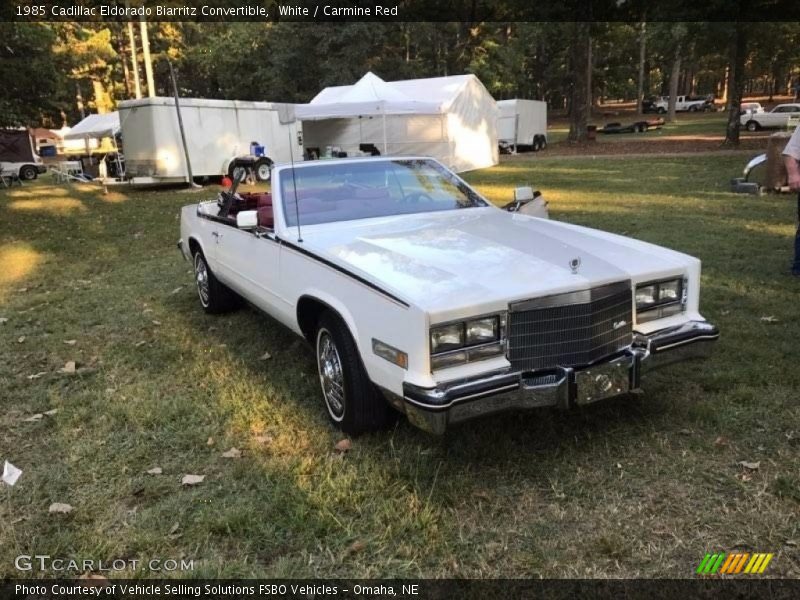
(250, 262)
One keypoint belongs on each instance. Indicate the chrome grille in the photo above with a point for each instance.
(572, 329)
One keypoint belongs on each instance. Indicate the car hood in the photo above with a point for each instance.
(485, 257)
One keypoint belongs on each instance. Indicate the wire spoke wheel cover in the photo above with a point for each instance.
(201, 278)
(331, 377)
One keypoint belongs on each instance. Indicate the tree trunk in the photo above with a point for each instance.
(736, 59)
(642, 56)
(589, 91)
(673, 82)
(726, 82)
(579, 91)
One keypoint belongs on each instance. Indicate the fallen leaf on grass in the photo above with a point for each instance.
(356, 546)
(174, 527)
(59, 508)
(752, 466)
(94, 579)
(70, 342)
(37, 375)
(210, 441)
(21, 519)
(140, 344)
(22, 290)
(21, 339)
(770, 319)
(685, 431)
(721, 441)
(176, 290)
(232, 453)
(32, 418)
(343, 445)
(192, 479)
(787, 542)
(51, 412)
(265, 356)
(263, 439)
(154, 471)
(68, 368)
(156, 323)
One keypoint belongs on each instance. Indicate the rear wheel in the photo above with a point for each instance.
(661, 110)
(214, 296)
(353, 402)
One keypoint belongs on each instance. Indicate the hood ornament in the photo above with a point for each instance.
(574, 265)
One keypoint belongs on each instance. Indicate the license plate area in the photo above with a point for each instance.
(603, 380)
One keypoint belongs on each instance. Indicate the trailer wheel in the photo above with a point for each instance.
(28, 173)
(263, 169)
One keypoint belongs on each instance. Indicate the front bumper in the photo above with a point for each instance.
(433, 409)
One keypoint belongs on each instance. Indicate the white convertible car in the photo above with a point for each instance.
(419, 295)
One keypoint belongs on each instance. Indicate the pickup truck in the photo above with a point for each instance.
(682, 104)
(421, 297)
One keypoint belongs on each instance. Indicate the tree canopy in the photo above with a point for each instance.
(48, 67)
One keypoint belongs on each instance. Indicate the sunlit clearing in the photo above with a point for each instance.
(57, 206)
(19, 261)
(113, 197)
(38, 192)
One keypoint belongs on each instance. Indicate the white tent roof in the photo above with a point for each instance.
(371, 95)
(95, 127)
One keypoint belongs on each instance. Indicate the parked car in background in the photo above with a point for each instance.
(777, 118)
(17, 155)
(750, 107)
(420, 296)
(682, 104)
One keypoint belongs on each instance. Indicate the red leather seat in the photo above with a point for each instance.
(264, 199)
(265, 216)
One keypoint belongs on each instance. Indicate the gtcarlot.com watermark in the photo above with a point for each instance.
(54, 564)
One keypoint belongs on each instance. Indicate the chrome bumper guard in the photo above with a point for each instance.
(433, 409)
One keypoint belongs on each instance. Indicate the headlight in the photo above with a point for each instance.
(467, 341)
(645, 295)
(448, 337)
(658, 299)
(481, 331)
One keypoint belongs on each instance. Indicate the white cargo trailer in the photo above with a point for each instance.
(522, 125)
(217, 132)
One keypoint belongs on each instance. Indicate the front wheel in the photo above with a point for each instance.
(214, 296)
(661, 110)
(353, 402)
(752, 126)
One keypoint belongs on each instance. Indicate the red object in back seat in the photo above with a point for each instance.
(266, 217)
(264, 199)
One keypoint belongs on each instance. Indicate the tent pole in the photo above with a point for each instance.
(385, 146)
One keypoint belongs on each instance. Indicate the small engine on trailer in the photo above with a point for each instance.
(255, 166)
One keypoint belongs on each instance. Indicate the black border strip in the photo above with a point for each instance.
(313, 256)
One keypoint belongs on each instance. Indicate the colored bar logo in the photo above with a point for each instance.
(734, 564)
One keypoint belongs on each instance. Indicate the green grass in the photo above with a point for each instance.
(641, 486)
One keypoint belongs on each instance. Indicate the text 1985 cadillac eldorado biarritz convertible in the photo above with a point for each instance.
(418, 294)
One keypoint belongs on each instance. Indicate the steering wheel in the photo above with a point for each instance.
(415, 197)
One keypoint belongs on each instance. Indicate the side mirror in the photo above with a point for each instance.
(247, 219)
(523, 194)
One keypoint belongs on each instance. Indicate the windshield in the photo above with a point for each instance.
(336, 191)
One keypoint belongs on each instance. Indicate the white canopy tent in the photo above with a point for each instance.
(95, 127)
(452, 119)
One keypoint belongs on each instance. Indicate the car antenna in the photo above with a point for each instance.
(294, 184)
